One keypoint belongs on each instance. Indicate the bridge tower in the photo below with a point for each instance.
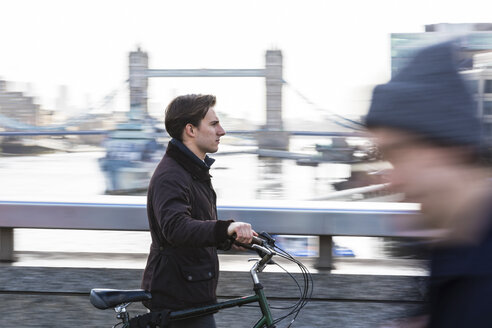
(272, 135)
(274, 80)
(139, 81)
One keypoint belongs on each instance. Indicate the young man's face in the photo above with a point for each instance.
(422, 171)
(208, 133)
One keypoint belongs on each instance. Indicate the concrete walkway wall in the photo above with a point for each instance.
(58, 297)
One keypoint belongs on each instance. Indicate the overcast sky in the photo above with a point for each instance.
(332, 49)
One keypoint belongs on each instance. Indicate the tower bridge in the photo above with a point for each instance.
(272, 136)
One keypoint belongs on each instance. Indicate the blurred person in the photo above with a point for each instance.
(424, 122)
(183, 268)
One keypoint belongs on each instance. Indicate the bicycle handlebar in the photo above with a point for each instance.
(263, 247)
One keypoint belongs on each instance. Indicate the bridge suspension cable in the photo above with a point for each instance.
(359, 126)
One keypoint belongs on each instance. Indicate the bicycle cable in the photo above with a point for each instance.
(306, 291)
(281, 307)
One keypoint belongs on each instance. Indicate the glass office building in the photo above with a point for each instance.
(476, 62)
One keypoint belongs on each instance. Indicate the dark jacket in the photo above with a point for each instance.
(183, 269)
(461, 284)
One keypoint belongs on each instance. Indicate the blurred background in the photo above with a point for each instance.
(84, 85)
(83, 88)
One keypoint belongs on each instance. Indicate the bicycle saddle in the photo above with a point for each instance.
(107, 298)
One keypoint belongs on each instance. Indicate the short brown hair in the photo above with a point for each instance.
(186, 109)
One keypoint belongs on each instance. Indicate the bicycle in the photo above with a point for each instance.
(266, 248)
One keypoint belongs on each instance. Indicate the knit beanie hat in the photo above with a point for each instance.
(428, 97)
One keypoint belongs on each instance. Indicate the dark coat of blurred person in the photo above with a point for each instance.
(425, 123)
(183, 268)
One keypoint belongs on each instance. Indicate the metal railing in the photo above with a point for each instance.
(323, 219)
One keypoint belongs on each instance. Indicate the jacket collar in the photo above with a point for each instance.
(189, 161)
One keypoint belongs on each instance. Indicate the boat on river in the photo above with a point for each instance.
(133, 150)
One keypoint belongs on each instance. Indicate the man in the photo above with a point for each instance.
(425, 124)
(182, 269)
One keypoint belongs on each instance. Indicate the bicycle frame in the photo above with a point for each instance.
(265, 321)
(259, 297)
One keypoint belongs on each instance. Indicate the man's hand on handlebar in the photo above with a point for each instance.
(242, 232)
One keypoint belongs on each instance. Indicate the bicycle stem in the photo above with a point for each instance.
(260, 265)
(269, 254)
(254, 273)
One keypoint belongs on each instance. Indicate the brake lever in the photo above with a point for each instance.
(269, 239)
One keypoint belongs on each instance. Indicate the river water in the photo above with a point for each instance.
(244, 177)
